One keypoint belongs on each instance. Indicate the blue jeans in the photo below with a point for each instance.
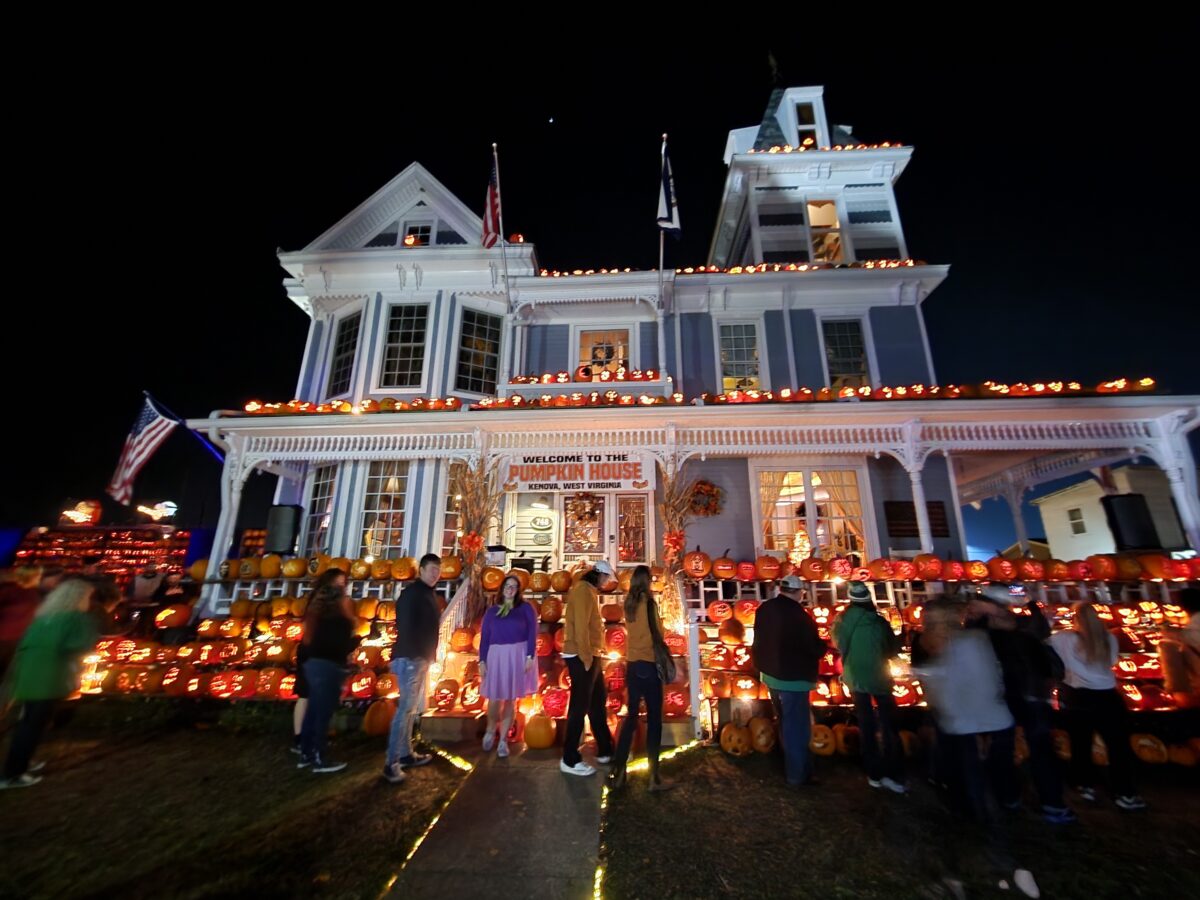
(410, 678)
(642, 681)
(795, 731)
(325, 678)
(877, 721)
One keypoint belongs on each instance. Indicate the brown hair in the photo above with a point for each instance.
(639, 592)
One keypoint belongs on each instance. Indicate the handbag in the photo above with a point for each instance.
(662, 656)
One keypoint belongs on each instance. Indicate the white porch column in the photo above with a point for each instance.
(1187, 503)
(924, 531)
(233, 478)
(662, 340)
(510, 338)
(1014, 494)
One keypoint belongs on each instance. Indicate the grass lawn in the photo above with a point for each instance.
(147, 807)
(732, 829)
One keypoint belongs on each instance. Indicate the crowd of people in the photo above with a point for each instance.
(985, 665)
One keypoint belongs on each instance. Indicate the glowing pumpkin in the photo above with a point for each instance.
(1001, 569)
(838, 567)
(812, 569)
(174, 616)
(1057, 570)
(746, 571)
(294, 568)
(491, 578)
(1030, 569)
(378, 720)
(615, 638)
(386, 685)
(762, 734)
(1128, 568)
(745, 611)
(719, 611)
(318, 564)
(882, 569)
(731, 632)
(821, 741)
(723, 567)
(697, 564)
(736, 740)
(472, 699)
(445, 694)
(404, 568)
(451, 567)
(539, 732)
(905, 569)
(767, 568)
(551, 610)
(554, 702)
(1148, 748)
(249, 568)
(976, 570)
(1081, 570)
(676, 643)
(847, 739)
(929, 567)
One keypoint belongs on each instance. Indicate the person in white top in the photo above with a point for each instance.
(965, 688)
(1091, 703)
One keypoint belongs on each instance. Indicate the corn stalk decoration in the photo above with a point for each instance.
(675, 510)
(477, 490)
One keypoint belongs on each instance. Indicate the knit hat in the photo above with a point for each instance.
(860, 593)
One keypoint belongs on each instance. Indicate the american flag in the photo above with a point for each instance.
(491, 211)
(149, 431)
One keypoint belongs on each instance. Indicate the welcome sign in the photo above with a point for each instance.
(579, 471)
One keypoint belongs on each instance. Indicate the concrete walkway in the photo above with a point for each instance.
(517, 827)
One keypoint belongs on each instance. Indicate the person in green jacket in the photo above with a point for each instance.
(46, 669)
(867, 645)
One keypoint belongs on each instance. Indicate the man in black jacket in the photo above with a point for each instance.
(786, 652)
(417, 618)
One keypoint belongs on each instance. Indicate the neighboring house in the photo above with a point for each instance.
(1076, 524)
(1039, 548)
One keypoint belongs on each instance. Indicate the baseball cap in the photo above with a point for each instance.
(791, 583)
(859, 593)
(603, 567)
(1004, 594)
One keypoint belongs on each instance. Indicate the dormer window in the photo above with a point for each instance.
(417, 234)
(806, 126)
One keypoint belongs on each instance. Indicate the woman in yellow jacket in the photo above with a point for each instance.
(642, 679)
(583, 650)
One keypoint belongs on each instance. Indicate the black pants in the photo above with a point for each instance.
(881, 751)
(980, 769)
(1034, 717)
(1090, 711)
(588, 697)
(642, 681)
(35, 716)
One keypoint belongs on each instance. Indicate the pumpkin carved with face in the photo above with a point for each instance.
(736, 740)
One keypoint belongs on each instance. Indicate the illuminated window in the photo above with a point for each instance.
(320, 511)
(806, 125)
(845, 353)
(383, 509)
(824, 231)
(404, 354)
(417, 234)
(739, 356)
(604, 350)
(344, 346)
(809, 511)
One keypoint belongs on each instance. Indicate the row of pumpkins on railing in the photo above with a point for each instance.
(928, 567)
(275, 566)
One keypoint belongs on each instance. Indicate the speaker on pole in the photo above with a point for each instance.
(1130, 522)
(283, 527)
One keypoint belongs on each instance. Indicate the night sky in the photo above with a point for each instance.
(1051, 172)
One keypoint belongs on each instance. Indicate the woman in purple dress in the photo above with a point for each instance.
(507, 664)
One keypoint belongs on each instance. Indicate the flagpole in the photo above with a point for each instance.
(662, 341)
(154, 401)
(508, 314)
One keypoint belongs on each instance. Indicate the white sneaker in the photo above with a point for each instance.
(894, 786)
(502, 750)
(1025, 883)
(489, 741)
(874, 782)
(27, 780)
(604, 760)
(580, 768)
(36, 766)
(394, 773)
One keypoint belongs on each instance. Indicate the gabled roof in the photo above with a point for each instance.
(412, 193)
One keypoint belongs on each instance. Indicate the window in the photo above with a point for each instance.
(739, 356)
(320, 511)
(604, 350)
(806, 125)
(807, 511)
(417, 234)
(404, 355)
(344, 346)
(478, 353)
(824, 231)
(1075, 517)
(383, 510)
(845, 353)
(451, 526)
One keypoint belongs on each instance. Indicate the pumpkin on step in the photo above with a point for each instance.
(539, 732)
(736, 740)
(762, 734)
(822, 742)
(378, 720)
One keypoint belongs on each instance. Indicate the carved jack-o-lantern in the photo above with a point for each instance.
(736, 740)
(554, 702)
(445, 694)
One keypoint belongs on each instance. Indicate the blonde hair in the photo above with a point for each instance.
(73, 595)
(1092, 633)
